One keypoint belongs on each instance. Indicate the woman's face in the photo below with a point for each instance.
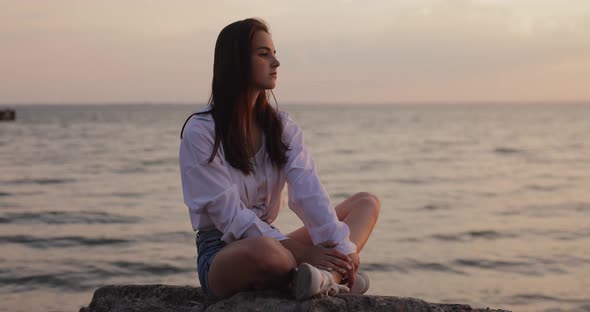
(264, 62)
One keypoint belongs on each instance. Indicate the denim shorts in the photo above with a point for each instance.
(209, 243)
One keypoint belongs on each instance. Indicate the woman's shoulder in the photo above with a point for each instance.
(287, 120)
(292, 133)
(290, 126)
(204, 114)
(200, 125)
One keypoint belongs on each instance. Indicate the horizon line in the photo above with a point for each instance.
(458, 102)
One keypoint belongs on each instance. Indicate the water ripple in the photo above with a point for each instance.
(142, 268)
(62, 217)
(558, 234)
(525, 265)
(548, 210)
(488, 264)
(127, 194)
(169, 237)
(408, 265)
(158, 162)
(544, 188)
(533, 297)
(432, 266)
(40, 181)
(433, 207)
(382, 267)
(411, 181)
(130, 170)
(60, 242)
(80, 277)
(68, 281)
(507, 150)
(470, 235)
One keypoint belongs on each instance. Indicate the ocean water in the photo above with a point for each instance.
(487, 205)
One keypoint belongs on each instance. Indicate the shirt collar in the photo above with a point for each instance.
(205, 116)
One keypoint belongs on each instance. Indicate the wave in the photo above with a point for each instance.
(558, 234)
(5, 204)
(382, 267)
(530, 266)
(62, 217)
(409, 265)
(553, 210)
(340, 195)
(507, 150)
(345, 151)
(411, 181)
(142, 268)
(433, 207)
(525, 265)
(79, 277)
(489, 264)
(432, 266)
(471, 235)
(169, 237)
(131, 169)
(536, 297)
(127, 194)
(371, 164)
(63, 280)
(41, 181)
(159, 162)
(544, 188)
(60, 242)
(75, 278)
(6, 194)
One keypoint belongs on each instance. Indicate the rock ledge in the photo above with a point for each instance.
(160, 298)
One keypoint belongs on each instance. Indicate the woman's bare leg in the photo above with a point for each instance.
(248, 264)
(262, 262)
(359, 212)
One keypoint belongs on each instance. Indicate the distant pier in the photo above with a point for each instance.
(7, 115)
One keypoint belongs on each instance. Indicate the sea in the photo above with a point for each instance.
(482, 204)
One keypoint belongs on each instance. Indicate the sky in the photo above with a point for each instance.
(331, 51)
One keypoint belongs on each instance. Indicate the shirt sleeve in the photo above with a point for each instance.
(209, 190)
(308, 197)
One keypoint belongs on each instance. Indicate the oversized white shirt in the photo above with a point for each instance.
(222, 197)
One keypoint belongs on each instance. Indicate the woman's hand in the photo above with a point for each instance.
(356, 261)
(325, 257)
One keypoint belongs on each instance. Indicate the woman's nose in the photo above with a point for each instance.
(276, 63)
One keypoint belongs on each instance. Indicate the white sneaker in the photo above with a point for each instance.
(311, 282)
(361, 283)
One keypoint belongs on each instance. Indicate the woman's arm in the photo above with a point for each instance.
(307, 196)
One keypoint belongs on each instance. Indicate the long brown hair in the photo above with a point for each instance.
(230, 96)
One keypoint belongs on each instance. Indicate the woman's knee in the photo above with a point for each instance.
(271, 257)
(252, 263)
(368, 201)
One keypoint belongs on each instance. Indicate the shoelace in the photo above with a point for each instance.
(329, 287)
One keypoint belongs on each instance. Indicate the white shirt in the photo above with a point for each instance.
(255, 184)
(221, 196)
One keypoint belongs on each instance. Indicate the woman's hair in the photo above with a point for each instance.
(230, 96)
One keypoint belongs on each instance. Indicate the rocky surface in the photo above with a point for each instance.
(160, 298)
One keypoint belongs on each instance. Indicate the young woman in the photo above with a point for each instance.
(235, 158)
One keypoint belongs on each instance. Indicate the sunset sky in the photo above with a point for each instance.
(71, 51)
